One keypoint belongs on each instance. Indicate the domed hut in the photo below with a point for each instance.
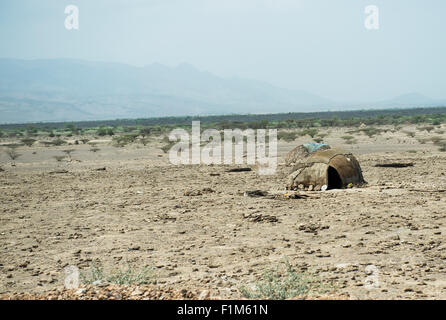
(325, 168)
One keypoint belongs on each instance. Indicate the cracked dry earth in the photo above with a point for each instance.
(195, 227)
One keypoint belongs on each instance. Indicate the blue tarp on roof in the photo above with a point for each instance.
(313, 146)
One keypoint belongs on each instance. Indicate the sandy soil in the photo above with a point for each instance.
(136, 213)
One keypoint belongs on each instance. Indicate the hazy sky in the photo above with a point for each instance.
(321, 46)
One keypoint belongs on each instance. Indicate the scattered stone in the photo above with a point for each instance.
(137, 292)
(311, 227)
(205, 294)
(207, 190)
(394, 165)
(255, 193)
(81, 291)
(258, 217)
(108, 292)
(239, 170)
(59, 171)
(194, 193)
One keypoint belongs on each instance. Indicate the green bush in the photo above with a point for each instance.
(28, 142)
(287, 136)
(310, 132)
(427, 128)
(96, 275)
(278, 285)
(144, 132)
(105, 132)
(58, 142)
(371, 132)
(122, 141)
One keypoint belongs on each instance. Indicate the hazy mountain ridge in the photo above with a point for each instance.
(63, 89)
(66, 90)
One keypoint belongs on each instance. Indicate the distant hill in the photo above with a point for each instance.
(74, 90)
(414, 99)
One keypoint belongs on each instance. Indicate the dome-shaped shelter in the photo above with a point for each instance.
(332, 168)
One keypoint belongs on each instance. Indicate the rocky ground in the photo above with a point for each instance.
(195, 229)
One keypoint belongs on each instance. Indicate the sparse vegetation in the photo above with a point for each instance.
(58, 142)
(105, 132)
(287, 136)
(13, 145)
(347, 138)
(12, 154)
(69, 152)
(144, 141)
(47, 143)
(427, 128)
(441, 144)
(122, 141)
(148, 190)
(281, 285)
(167, 144)
(28, 142)
(352, 141)
(371, 132)
(96, 275)
(144, 132)
(311, 132)
(398, 118)
(436, 139)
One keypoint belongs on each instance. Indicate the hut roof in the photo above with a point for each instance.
(326, 169)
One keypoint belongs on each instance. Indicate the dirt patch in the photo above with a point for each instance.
(219, 241)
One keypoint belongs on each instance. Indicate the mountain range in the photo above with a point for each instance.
(75, 90)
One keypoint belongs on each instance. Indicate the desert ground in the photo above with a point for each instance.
(197, 231)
